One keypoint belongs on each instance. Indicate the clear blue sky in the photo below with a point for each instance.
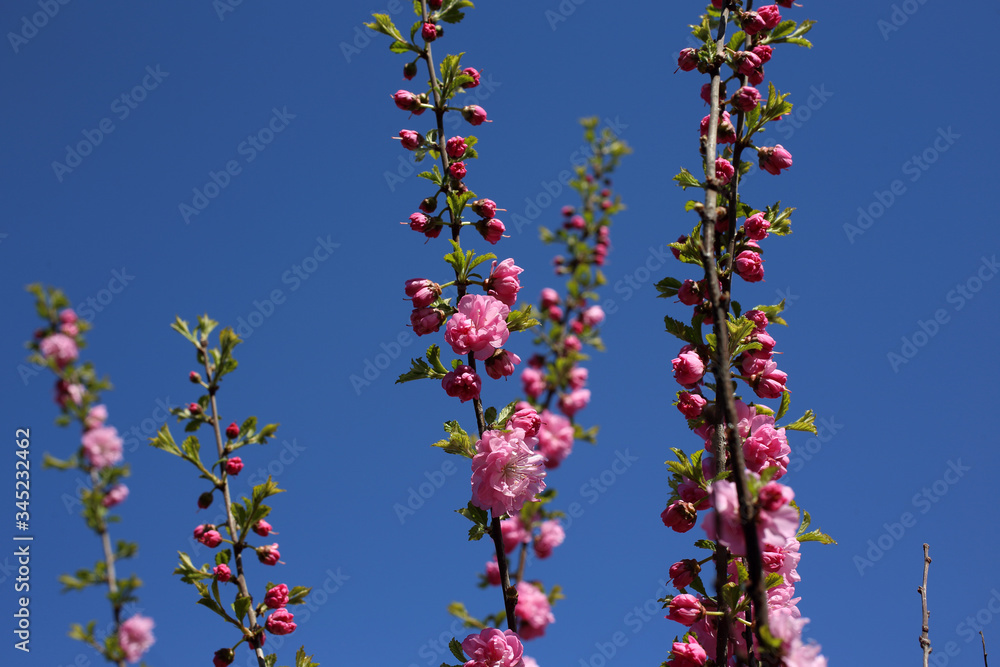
(892, 121)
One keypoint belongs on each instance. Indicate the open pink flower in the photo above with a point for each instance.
(281, 622)
(551, 535)
(135, 636)
(102, 447)
(503, 283)
(533, 610)
(479, 326)
(493, 648)
(533, 382)
(555, 438)
(574, 401)
(506, 473)
(514, 533)
(96, 416)
(59, 347)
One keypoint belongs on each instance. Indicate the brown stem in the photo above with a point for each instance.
(109, 560)
(238, 544)
(985, 661)
(925, 640)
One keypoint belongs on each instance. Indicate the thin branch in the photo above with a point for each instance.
(925, 640)
(985, 662)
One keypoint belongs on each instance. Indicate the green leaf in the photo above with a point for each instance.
(773, 313)
(705, 544)
(786, 399)
(816, 536)
(434, 175)
(480, 519)
(241, 606)
(519, 320)
(804, 423)
(681, 330)
(420, 369)
(458, 441)
(213, 605)
(165, 441)
(452, 12)
(685, 179)
(506, 413)
(384, 25)
(303, 660)
(668, 287)
(456, 650)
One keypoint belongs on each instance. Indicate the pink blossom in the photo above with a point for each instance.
(276, 597)
(422, 291)
(492, 230)
(689, 654)
(690, 404)
(503, 283)
(406, 100)
(746, 98)
(102, 446)
(574, 401)
(462, 383)
(756, 227)
(419, 222)
(578, 377)
(533, 382)
(426, 320)
(550, 536)
(429, 32)
(575, 222)
(679, 516)
(530, 662)
(572, 343)
(687, 60)
(783, 559)
(763, 52)
(593, 316)
(688, 366)
(749, 266)
(411, 139)
(689, 293)
(96, 416)
(514, 533)
(752, 23)
(60, 348)
(234, 465)
(455, 147)
(747, 62)
(484, 208)
(222, 572)
(763, 445)
(683, 572)
(479, 326)
(723, 170)
(501, 364)
(555, 313)
(533, 610)
(281, 622)
(771, 16)
(555, 438)
(567, 210)
(70, 330)
(725, 133)
(691, 492)
(115, 495)
(770, 382)
(223, 657)
(722, 524)
(493, 648)
(685, 609)
(758, 318)
(68, 316)
(506, 473)
(210, 538)
(493, 572)
(474, 73)
(268, 554)
(135, 636)
(475, 115)
(774, 159)
(549, 298)
(457, 170)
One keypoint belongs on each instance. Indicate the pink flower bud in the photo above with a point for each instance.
(470, 71)
(434, 4)
(574, 401)
(770, 15)
(575, 222)
(593, 316)
(685, 609)
(550, 298)
(723, 170)
(679, 516)
(687, 60)
(455, 147)
(426, 320)
(746, 62)
(773, 160)
(428, 204)
(207, 535)
(758, 317)
(576, 326)
(526, 419)
(725, 134)
(115, 495)
(457, 170)
(462, 383)
(60, 348)
(262, 528)
(484, 208)
(233, 431)
(411, 139)
(503, 283)
(205, 500)
(690, 404)
(551, 534)
(429, 32)
(567, 211)
(70, 329)
(763, 52)
(281, 622)
(555, 312)
(277, 597)
(689, 293)
(749, 266)
(194, 408)
(474, 114)
(234, 466)
(409, 71)
(268, 554)
(573, 343)
(752, 23)
(406, 100)
(689, 654)
(492, 230)
(96, 416)
(756, 227)
(680, 239)
(67, 316)
(746, 98)
(578, 377)
(194, 378)
(493, 572)
(688, 367)
(501, 364)
(222, 572)
(683, 572)
(223, 657)
(424, 292)
(533, 382)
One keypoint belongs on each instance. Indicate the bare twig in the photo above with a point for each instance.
(985, 662)
(925, 641)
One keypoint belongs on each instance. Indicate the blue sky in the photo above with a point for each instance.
(893, 252)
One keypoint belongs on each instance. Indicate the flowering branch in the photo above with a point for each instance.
(240, 518)
(99, 457)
